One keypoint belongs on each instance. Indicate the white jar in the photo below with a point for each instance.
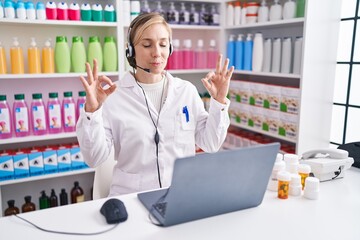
(312, 188)
(263, 12)
(295, 185)
(289, 10)
(275, 11)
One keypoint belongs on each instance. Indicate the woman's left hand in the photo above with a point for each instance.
(218, 83)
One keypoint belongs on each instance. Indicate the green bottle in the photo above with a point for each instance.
(95, 51)
(78, 55)
(44, 200)
(62, 55)
(300, 8)
(110, 55)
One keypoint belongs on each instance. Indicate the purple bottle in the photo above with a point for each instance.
(68, 112)
(38, 115)
(5, 119)
(21, 116)
(54, 113)
(80, 103)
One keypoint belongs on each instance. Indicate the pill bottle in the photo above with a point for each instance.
(279, 165)
(292, 162)
(304, 171)
(295, 185)
(283, 184)
(312, 188)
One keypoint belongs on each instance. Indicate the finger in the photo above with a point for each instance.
(105, 80)
(89, 73)
(95, 69)
(218, 64)
(225, 67)
(209, 75)
(110, 90)
(230, 72)
(206, 84)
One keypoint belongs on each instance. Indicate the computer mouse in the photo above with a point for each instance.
(114, 211)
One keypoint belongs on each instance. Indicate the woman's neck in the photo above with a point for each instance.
(145, 77)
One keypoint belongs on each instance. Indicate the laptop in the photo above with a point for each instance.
(206, 185)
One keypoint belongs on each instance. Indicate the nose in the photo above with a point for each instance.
(156, 51)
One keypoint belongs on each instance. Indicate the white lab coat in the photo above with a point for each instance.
(124, 121)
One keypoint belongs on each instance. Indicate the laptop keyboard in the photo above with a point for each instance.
(161, 208)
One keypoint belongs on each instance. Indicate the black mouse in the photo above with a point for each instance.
(114, 211)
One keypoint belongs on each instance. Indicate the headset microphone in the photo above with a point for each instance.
(144, 69)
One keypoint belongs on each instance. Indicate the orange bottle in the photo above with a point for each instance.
(34, 57)
(17, 58)
(2, 60)
(48, 64)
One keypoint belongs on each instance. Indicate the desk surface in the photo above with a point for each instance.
(335, 215)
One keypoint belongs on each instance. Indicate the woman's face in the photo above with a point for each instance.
(152, 51)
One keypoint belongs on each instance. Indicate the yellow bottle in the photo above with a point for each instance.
(34, 57)
(48, 64)
(2, 60)
(17, 58)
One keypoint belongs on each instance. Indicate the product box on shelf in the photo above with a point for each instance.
(50, 161)
(63, 159)
(21, 165)
(6, 167)
(36, 163)
(77, 159)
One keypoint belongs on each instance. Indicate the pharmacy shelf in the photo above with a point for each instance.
(279, 23)
(190, 71)
(268, 74)
(16, 21)
(37, 138)
(263, 132)
(53, 75)
(47, 176)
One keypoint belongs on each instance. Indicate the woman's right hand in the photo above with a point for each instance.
(96, 93)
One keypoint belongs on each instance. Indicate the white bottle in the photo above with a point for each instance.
(1, 11)
(9, 10)
(276, 55)
(230, 14)
(134, 9)
(126, 16)
(286, 55)
(289, 10)
(263, 12)
(267, 55)
(275, 11)
(297, 55)
(258, 52)
(30, 11)
(40, 11)
(243, 16)
(20, 10)
(237, 14)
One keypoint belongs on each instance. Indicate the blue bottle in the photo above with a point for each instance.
(230, 50)
(248, 49)
(239, 53)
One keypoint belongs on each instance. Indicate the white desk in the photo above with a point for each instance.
(335, 215)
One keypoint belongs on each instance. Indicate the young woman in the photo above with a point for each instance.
(150, 117)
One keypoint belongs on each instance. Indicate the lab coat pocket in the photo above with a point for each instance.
(125, 182)
(185, 129)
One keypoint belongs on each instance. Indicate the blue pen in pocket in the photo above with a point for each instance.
(186, 112)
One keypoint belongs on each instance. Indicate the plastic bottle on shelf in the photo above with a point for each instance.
(267, 55)
(276, 56)
(77, 193)
(263, 12)
(194, 15)
(34, 57)
(300, 8)
(3, 65)
(53, 199)
(109, 13)
(110, 54)
(176, 58)
(248, 51)
(48, 64)
(237, 13)
(74, 12)
(212, 54)
(172, 15)
(21, 116)
(188, 55)
(230, 50)
(96, 12)
(289, 10)
(286, 55)
(230, 14)
(239, 53)
(9, 10)
(204, 15)
(54, 113)
(17, 58)
(51, 11)
(40, 11)
(159, 9)
(214, 16)
(275, 13)
(85, 12)
(184, 15)
(68, 112)
(62, 55)
(44, 201)
(145, 7)
(63, 197)
(38, 115)
(297, 55)
(243, 15)
(134, 9)
(12, 209)
(20, 10)
(80, 103)
(95, 52)
(258, 52)
(62, 11)
(30, 10)
(200, 55)
(78, 55)
(28, 206)
(5, 118)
